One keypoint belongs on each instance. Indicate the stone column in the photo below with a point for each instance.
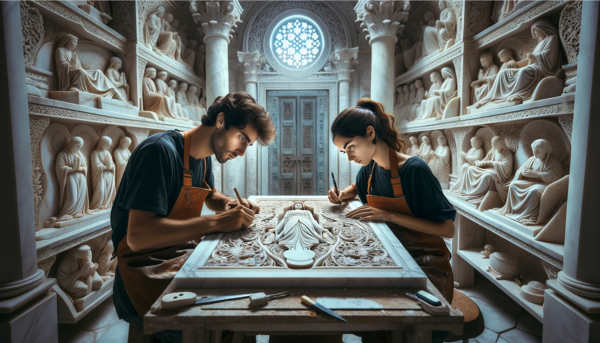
(18, 258)
(343, 60)
(381, 20)
(580, 274)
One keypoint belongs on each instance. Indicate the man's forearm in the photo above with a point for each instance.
(216, 201)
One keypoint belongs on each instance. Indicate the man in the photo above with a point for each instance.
(158, 203)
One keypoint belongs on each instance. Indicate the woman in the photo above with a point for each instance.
(396, 188)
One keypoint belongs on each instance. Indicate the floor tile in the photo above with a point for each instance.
(349, 338)
(115, 334)
(496, 318)
(102, 316)
(488, 336)
(492, 297)
(519, 336)
(530, 324)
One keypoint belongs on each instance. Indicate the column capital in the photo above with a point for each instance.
(381, 19)
(251, 61)
(217, 18)
(343, 60)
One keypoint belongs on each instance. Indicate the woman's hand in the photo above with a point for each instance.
(335, 197)
(368, 213)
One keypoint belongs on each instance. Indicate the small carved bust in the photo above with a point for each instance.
(487, 251)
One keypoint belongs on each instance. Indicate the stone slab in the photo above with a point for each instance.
(588, 305)
(87, 301)
(95, 101)
(530, 230)
(118, 106)
(473, 110)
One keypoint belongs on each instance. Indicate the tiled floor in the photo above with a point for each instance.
(505, 321)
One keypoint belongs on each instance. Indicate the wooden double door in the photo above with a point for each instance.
(298, 161)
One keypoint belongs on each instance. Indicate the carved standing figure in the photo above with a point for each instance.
(414, 148)
(529, 183)
(153, 101)
(425, 149)
(416, 103)
(430, 35)
(486, 77)
(200, 58)
(440, 162)
(192, 100)
(76, 273)
(72, 77)
(106, 266)
(181, 98)
(152, 28)
(103, 175)
(117, 78)
(71, 172)
(121, 155)
(399, 97)
(412, 95)
(519, 84)
(438, 99)
(468, 159)
(446, 26)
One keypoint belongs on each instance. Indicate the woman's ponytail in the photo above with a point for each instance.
(354, 121)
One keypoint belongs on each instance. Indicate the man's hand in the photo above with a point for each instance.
(239, 217)
(367, 213)
(233, 203)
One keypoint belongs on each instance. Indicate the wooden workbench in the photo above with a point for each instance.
(287, 316)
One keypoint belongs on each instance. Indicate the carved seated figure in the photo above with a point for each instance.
(529, 183)
(440, 163)
(154, 101)
(425, 149)
(117, 77)
(446, 27)
(72, 77)
(430, 35)
(518, 84)
(163, 89)
(413, 108)
(507, 59)
(486, 77)
(76, 274)
(189, 56)
(414, 148)
(121, 157)
(298, 232)
(106, 266)
(468, 159)
(438, 98)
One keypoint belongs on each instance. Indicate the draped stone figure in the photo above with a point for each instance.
(168, 41)
(412, 94)
(71, 172)
(193, 104)
(446, 26)
(106, 266)
(405, 95)
(413, 110)
(430, 35)
(152, 28)
(491, 173)
(103, 175)
(171, 93)
(76, 273)
(425, 149)
(199, 102)
(529, 183)
(435, 104)
(121, 155)
(507, 59)
(399, 96)
(153, 101)
(468, 159)
(117, 77)
(436, 83)
(189, 57)
(72, 77)
(440, 162)
(414, 148)
(486, 77)
(502, 9)
(519, 84)
(163, 89)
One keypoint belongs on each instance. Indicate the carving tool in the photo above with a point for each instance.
(260, 299)
(182, 299)
(430, 304)
(238, 196)
(335, 186)
(308, 301)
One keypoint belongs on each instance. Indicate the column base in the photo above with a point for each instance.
(584, 289)
(36, 322)
(21, 286)
(565, 323)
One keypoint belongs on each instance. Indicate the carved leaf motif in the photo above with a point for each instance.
(32, 28)
(569, 28)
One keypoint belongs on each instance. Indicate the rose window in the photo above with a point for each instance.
(297, 43)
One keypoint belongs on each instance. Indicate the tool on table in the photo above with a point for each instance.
(260, 299)
(308, 301)
(335, 187)
(181, 299)
(430, 304)
(238, 196)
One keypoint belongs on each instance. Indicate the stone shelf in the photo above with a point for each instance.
(430, 63)
(552, 107)
(70, 312)
(511, 288)
(73, 17)
(72, 112)
(176, 70)
(549, 252)
(519, 21)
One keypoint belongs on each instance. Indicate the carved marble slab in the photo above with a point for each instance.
(351, 254)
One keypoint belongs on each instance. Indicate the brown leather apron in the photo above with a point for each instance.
(429, 251)
(147, 273)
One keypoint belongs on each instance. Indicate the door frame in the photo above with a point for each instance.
(263, 152)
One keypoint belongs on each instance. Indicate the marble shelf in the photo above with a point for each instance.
(430, 63)
(511, 288)
(176, 70)
(519, 21)
(85, 114)
(70, 312)
(67, 13)
(550, 252)
(552, 107)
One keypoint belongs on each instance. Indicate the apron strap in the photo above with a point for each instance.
(187, 173)
(204, 169)
(396, 184)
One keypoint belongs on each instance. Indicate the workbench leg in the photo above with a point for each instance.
(194, 334)
(238, 337)
(413, 335)
(216, 336)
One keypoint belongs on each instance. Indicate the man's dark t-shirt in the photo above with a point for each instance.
(421, 188)
(151, 182)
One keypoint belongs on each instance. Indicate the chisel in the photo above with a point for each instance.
(308, 301)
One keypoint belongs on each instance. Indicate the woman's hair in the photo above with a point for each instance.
(353, 122)
(240, 109)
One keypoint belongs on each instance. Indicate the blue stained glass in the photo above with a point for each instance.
(296, 43)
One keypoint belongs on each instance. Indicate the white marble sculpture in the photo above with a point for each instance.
(438, 98)
(446, 26)
(502, 9)
(415, 105)
(507, 59)
(189, 56)
(199, 102)
(399, 97)
(103, 175)
(530, 181)
(152, 28)
(181, 98)
(153, 101)
(518, 84)
(193, 103)
(495, 170)
(488, 249)
(440, 163)
(412, 95)
(167, 42)
(163, 89)
(172, 94)
(71, 172)
(106, 266)
(425, 149)
(121, 156)
(72, 77)
(117, 77)
(485, 78)
(414, 148)
(76, 273)
(468, 159)
(430, 35)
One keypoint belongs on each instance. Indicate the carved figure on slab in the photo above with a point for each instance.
(199, 102)
(412, 94)
(440, 163)
(163, 89)
(468, 159)
(435, 104)
(413, 110)
(152, 28)
(414, 148)
(193, 104)
(529, 183)
(103, 175)
(71, 172)
(200, 58)
(425, 149)
(516, 85)
(430, 35)
(491, 173)
(507, 59)
(117, 77)
(502, 9)
(171, 93)
(189, 57)
(399, 97)
(485, 79)
(154, 101)
(167, 42)
(121, 155)
(76, 273)
(446, 26)
(181, 98)
(72, 77)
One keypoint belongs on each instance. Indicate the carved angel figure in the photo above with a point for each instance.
(468, 159)
(117, 78)
(486, 77)
(71, 172)
(121, 155)
(76, 274)
(103, 175)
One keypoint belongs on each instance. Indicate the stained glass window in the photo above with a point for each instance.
(297, 43)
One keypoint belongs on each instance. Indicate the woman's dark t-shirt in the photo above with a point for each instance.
(421, 188)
